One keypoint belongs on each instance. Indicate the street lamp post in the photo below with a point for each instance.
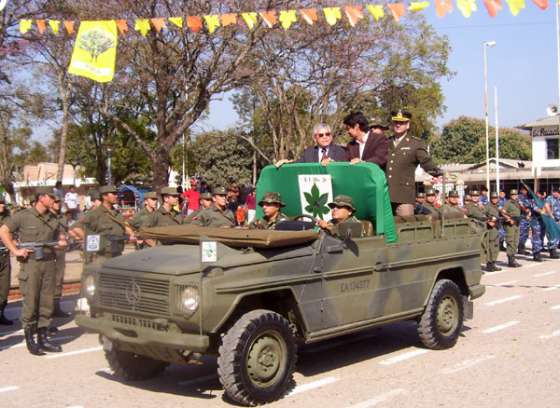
(497, 140)
(485, 45)
(109, 164)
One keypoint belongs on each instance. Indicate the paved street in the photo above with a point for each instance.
(507, 357)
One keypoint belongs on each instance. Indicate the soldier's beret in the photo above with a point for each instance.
(342, 201)
(219, 191)
(107, 190)
(205, 196)
(150, 194)
(44, 191)
(513, 192)
(272, 198)
(453, 193)
(172, 191)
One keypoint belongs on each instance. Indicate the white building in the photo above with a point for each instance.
(545, 136)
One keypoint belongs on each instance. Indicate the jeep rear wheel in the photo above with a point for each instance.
(442, 320)
(257, 358)
(133, 367)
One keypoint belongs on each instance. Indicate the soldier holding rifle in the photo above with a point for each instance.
(512, 215)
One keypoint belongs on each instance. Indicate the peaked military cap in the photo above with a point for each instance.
(420, 195)
(493, 194)
(272, 198)
(172, 191)
(430, 192)
(150, 194)
(219, 191)
(513, 192)
(401, 116)
(453, 193)
(342, 201)
(107, 189)
(205, 196)
(474, 193)
(44, 191)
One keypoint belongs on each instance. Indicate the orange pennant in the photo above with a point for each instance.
(229, 19)
(269, 17)
(443, 7)
(41, 25)
(194, 23)
(542, 4)
(493, 6)
(309, 15)
(158, 23)
(122, 26)
(69, 26)
(354, 14)
(398, 10)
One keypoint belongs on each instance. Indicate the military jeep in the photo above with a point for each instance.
(252, 297)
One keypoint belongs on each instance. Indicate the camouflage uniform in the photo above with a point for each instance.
(555, 206)
(512, 209)
(524, 223)
(5, 274)
(537, 230)
(270, 199)
(332, 227)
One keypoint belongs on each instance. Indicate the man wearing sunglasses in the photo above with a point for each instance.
(369, 143)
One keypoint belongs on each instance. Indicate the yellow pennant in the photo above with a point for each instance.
(376, 11)
(54, 25)
(250, 19)
(332, 15)
(515, 6)
(416, 6)
(287, 18)
(95, 51)
(25, 26)
(467, 7)
(142, 25)
(177, 21)
(212, 22)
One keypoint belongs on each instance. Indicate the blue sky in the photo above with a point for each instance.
(522, 65)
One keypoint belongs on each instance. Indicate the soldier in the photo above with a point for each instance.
(105, 223)
(474, 209)
(512, 214)
(405, 154)
(492, 239)
(537, 208)
(144, 217)
(217, 215)
(205, 201)
(37, 276)
(452, 209)
(342, 212)
(524, 221)
(60, 261)
(95, 199)
(271, 205)
(166, 215)
(553, 201)
(5, 269)
(430, 203)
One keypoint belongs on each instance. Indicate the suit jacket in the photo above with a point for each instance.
(311, 154)
(401, 166)
(375, 150)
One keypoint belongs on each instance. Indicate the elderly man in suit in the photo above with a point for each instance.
(324, 151)
(369, 143)
(405, 154)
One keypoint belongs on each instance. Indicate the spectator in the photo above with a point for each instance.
(233, 197)
(58, 191)
(192, 197)
(72, 202)
(367, 144)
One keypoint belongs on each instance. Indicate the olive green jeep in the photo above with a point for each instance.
(252, 297)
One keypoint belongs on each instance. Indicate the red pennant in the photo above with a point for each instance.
(542, 4)
(41, 25)
(493, 6)
(122, 25)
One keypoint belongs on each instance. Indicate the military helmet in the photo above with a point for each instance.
(272, 198)
(342, 201)
(513, 192)
(430, 192)
(474, 193)
(107, 189)
(219, 191)
(421, 195)
(205, 196)
(375, 122)
(44, 191)
(150, 194)
(453, 193)
(172, 191)
(494, 194)
(401, 116)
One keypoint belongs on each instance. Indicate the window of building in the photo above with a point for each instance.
(552, 149)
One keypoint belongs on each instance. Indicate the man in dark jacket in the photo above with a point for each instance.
(368, 144)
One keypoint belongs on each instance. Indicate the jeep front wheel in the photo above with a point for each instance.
(442, 320)
(133, 367)
(257, 358)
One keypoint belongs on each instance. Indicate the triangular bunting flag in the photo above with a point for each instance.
(250, 19)
(212, 22)
(287, 18)
(309, 15)
(269, 17)
(376, 10)
(54, 25)
(542, 4)
(417, 6)
(69, 26)
(194, 23)
(467, 7)
(515, 6)
(332, 15)
(142, 25)
(493, 6)
(41, 25)
(397, 9)
(229, 19)
(443, 7)
(25, 26)
(354, 14)
(158, 23)
(122, 25)
(176, 21)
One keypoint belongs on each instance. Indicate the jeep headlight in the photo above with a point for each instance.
(89, 286)
(189, 300)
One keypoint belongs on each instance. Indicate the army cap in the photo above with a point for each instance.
(474, 193)
(172, 191)
(107, 190)
(513, 192)
(150, 194)
(430, 192)
(420, 195)
(205, 196)
(219, 191)
(342, 201)
(453, 193)
(44, 191)
(272, 198)
(375, 122)
(401, 116)
(94, 194)
(493, 194)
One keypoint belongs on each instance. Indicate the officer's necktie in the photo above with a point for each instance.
(324, 154)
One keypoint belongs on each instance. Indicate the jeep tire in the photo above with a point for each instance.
(133, 367)
(442, 320)
(257, 358)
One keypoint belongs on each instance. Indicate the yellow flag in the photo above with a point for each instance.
(332, 15)
(250, 19)
(287, 18)
(95, 51)
(467, 7)
(178, 21)
(212, 22)
(25, 26)
(515, 6)
(54, 25)
(376, 11)
(416, 6)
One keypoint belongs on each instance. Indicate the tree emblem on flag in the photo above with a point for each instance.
(316, 202)
(96, 42)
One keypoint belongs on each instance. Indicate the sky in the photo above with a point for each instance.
(522, 65)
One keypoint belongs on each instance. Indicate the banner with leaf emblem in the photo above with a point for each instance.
(95, 51)
(316, 192)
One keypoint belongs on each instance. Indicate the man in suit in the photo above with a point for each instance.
(368, 144)
(405, 154)
(324, 151)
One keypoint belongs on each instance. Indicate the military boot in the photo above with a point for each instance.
(3, 319)
(512, 263)
(554, 254)
(44, 342)
(58, 312)
(495, 268)
(32, 345)
(537, 257)
(490, 267)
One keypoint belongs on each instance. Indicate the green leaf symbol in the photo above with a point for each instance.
(316, 202)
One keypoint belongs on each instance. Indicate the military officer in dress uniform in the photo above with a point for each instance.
(342, 212)
(492, 241)
(60, 261)
(405, 154)
(5, 269)
(217, 215)
(166, 215)
(512, 214)
(37, 276)
(205, 201)
(271, 205)
(452, 209)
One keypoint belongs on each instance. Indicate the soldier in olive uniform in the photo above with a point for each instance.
(166, 215)
(430, 203)
(405, 154)
(512, 214)
(271, 205)
(205, 201)
(492, 241)
(217, 215)
(5, 269)
(473, 208)
(419, 205)
(144, 216)
(105, 224)
(37, 276)
(451, 209)
(342, 212)
(60, 261)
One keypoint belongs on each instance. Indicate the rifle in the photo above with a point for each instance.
(38, 248)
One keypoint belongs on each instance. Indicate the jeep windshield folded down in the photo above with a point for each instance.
(251, 297)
